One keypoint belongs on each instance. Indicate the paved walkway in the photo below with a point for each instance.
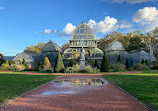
(49, 97)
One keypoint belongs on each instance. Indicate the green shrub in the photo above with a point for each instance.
(127, 64)
(146, 62)
(105, 67)
(59, 66)
(11, 62)
(119, 59)
(88, 69)
(155, 66)
(71, 62)
(119, 67)
(143, 62)
(12, 67)
(140, 67)
(97, 64)
(91, 62)
(96, 70)
(70, 70)
(5, 66)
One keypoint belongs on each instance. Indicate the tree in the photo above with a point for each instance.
(35, 48)
(71, 62)
(105, 67)
(119, 59)
(127, 64)
(39, 65)
(143, 62)
(46, 64)
(1, 59)
(59, 66)
(146, 62)
(97, 64)
(135, 43)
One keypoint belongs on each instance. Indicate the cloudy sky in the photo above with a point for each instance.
(29, 22)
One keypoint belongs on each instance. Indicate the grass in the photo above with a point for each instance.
(143, 86)
(13, 85)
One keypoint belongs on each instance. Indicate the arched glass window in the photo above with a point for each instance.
(83, 32)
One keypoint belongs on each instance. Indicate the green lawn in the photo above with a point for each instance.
(13, 85)
(143, 86)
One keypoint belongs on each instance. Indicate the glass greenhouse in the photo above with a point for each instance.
(83, 37)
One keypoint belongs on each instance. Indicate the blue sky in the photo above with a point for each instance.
(29, 22)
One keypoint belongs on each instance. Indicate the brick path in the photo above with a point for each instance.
(106, 97)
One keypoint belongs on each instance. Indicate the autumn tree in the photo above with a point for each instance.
(35, 48)
(46, 64)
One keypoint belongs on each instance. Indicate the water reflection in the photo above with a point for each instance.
(78, 82)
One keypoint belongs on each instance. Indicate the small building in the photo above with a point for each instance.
(26, 56)
(114, 50)
(50, 50)
(138, 55)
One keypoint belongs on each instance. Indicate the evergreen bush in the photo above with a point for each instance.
(39, 66)
(105, 67)
(146, 62)
(119, 59)
(127, 64)
(97, 64)
(143, 62)
(71, 62)
(59, 66)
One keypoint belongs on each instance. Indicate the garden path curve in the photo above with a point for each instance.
(105, 97)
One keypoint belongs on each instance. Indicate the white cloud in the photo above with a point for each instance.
(67, 31)
(107, 25)
(146, 18)
(2, 8)
(48, 31)
(129, 1)
(69, 28)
